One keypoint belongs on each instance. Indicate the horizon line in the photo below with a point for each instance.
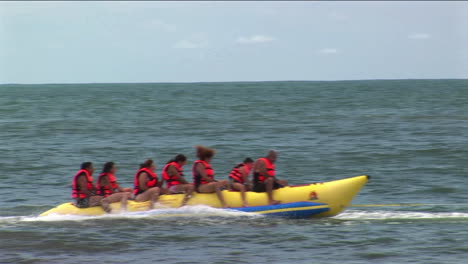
(198, 82)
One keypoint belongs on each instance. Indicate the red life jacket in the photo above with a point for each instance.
(152, 182)
(76, 193)
(236, 174)
(104, 190)
(197, 178)
(171, 180)
(270, 168)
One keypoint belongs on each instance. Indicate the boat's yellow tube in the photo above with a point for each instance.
(336, 194)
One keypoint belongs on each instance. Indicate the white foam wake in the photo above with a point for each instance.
(382, 215)
(198, 211)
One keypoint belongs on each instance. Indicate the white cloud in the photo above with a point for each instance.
(328, 51)
(189, 44)
(338, 16)
(268, 11)
(419, 36)
(159, 24)
(254, 39)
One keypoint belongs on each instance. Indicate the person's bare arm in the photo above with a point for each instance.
(172, 171)
(122, 189)
(105, 182)
(260, 167)
(160, 183)
(244, 174)
(201, 170)
(83, 185)
(142, 179)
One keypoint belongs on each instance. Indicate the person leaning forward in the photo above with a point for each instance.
(264, 179)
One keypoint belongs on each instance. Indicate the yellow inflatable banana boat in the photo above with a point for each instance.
(302, 201)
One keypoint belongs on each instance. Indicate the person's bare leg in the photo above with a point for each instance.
(104, 202)
(95, 200)
(124, 200)
(223, 183)
(154, 196)
(211, 188)
(244, 199)
(151, 194)
(188, 188)
(240, 187)
(269, 189)
(283, 182)
(220, 194)
(163, 190)
(116, 197)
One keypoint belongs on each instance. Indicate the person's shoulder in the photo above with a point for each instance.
(81, 177)
(261, 160)
(81, 174)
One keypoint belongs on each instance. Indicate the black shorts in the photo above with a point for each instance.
(82, 203)
(260, 187)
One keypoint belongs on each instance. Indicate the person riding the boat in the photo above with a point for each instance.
(84, 191)
(107, 183)
(146, 186)
(239, 178)
(264, 178)
(108, 187)
(173, 175)
(203, 174)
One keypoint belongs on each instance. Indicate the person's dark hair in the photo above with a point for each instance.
(248, 160)
(86, 165)
(180, 157)
(204, 153)
(177, 158)
(146, 164)
(272, 153)
(108, 167)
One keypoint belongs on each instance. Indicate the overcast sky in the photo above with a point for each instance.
(84, 42)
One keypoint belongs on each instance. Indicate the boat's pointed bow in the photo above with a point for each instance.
(339, 194)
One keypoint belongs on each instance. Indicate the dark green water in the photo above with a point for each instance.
(409, 135)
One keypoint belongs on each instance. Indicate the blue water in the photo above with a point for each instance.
(409, 135)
